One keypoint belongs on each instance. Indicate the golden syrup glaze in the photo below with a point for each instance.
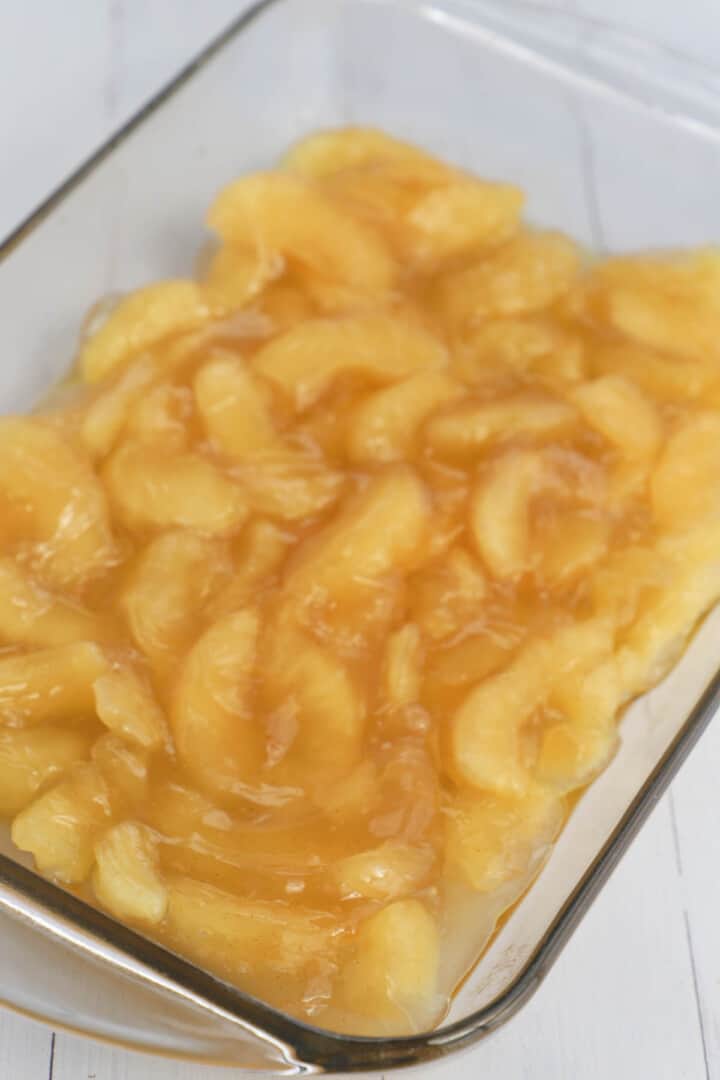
(323, 587)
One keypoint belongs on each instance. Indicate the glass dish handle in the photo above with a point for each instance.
(597, 55)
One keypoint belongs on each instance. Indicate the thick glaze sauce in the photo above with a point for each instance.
(324, 586)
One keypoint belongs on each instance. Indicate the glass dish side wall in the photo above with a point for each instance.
(501, 89)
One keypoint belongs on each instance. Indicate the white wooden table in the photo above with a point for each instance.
(636, 995)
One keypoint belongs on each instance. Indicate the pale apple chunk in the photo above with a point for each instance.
(464, 215)
(126, 879)
(60, 827)
(525, 275)
(685, 486)
(283, 214)
(33, 616)
(174, 577)
(384, 873)
(377, 532)
(492, 839)
(306, 360)
(153, 489)
(217, 737)
(141, 320)
(127, 706)
(395, 963)
(50, 684)
(386, 425)
(235, 408)
(66, 512)
(30, 757)
(244, 938)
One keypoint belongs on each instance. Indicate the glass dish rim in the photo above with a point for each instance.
(50, 907)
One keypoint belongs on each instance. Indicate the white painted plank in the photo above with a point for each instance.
(616, 1003)
(693, 27)
(82, 1059)
(43, 91)
(694, 803)
(681, 209)
(77, 70)
(25, 1048)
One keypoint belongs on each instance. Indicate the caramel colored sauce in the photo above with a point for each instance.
(323, 588)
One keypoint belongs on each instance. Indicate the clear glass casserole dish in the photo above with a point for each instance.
(614, 141)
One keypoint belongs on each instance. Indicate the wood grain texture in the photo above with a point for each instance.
(637, 992)
(691, 805)
(25, 1047)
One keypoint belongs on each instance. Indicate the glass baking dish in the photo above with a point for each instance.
(618, 143)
